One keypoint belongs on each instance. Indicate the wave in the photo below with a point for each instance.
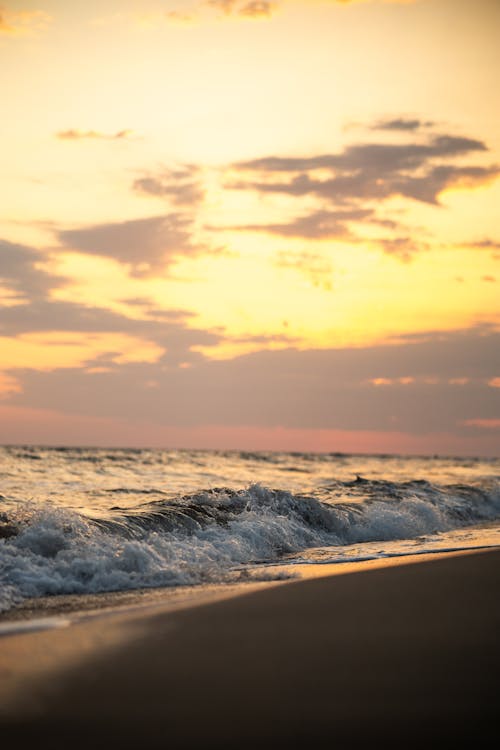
(208, 536)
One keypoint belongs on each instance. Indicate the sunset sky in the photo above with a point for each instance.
(251, 225)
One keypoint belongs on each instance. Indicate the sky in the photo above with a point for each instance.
(241, 224)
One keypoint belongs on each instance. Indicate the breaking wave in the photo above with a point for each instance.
(210, 535)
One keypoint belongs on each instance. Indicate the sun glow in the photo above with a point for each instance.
(72, 349)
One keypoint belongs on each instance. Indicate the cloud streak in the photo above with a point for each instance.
(256, 9)
(247, 9)
(93, 135)
(317, 225)
(402, 123)
(181, 186)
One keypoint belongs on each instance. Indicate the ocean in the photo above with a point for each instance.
(83, 521)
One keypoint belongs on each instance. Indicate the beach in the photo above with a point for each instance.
(401, 654)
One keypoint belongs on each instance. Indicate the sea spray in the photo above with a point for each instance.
(210, 535)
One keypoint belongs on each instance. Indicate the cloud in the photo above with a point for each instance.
(314, 389)
(148, 246)
(485, 424)
(257, 9)
(179, 185)
(317, 225)
(225, 10)
(23, 23)
(226, 6)
(37, 313)
(82, 135)
(403, 247)
(362, 176)
(19, 271)
(248, 9)
(165, 328)
(167, 331)
(401, 123)
(383, 158)
(484, 244)
(352, 2)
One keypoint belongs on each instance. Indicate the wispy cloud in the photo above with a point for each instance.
(179, 16)
(402, 123)
(484, 244)
(313, 266)
(257, 9)
(317, 225)
(182, 186)
(226, 6)
(223, 10)
(147, 246)
(402, 247)
(82, 135)
(243, 8)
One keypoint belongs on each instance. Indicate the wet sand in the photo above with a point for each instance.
(401, 656)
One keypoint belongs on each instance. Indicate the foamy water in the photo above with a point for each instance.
(81, 521)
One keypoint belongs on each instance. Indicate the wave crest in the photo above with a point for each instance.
(205, 536)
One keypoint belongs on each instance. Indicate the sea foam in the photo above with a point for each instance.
(210, 536)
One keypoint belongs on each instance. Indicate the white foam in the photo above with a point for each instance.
(58, 551)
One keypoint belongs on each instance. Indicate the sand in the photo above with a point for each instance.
(402, 656)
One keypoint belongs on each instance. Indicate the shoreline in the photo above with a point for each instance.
(76, 607)
(370, 653)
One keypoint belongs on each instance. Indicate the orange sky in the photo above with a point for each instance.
(237, 224)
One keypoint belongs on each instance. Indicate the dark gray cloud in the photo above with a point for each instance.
(329, 389)
(19, 271)
(181, 186)
(147, 246)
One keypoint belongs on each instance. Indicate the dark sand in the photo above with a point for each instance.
(403, 656)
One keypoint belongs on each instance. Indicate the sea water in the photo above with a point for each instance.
(85, 521)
